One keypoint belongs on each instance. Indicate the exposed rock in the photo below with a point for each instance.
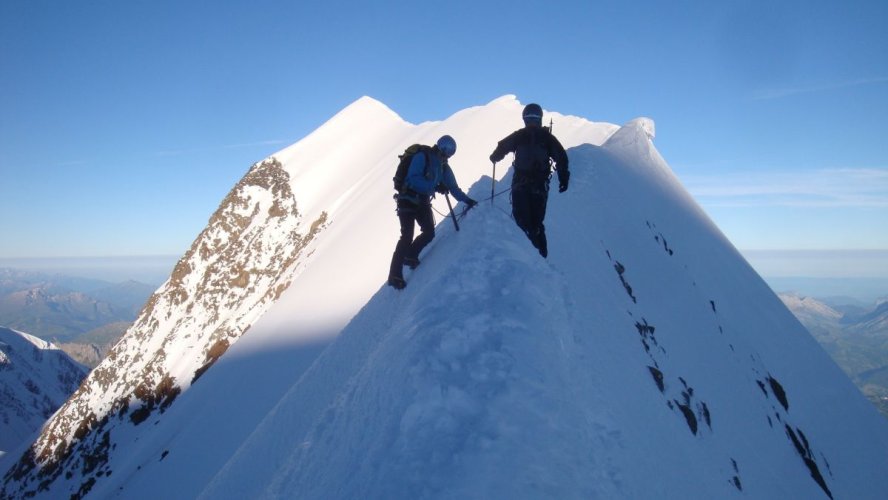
(237, 266)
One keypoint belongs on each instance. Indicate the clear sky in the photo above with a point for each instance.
(124, 124)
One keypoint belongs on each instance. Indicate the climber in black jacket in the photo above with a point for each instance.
(535, 150)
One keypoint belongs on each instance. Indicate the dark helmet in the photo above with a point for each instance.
(532, 113)
(446, 145)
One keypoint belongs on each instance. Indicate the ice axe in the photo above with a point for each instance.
(493, 182)
(452, 215)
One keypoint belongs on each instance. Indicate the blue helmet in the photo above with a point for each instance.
(446, 145)
(532, 113)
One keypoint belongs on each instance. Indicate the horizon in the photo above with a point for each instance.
(865, 284)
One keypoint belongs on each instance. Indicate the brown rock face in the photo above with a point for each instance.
(239, 264)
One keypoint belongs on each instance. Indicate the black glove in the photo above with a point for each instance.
(441, 188)
(492, 158)
(471, 203)
(562, 186)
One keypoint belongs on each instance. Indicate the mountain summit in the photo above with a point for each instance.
(645, 358)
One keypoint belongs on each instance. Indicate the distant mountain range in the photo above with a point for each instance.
(856, 337)
(82, 316)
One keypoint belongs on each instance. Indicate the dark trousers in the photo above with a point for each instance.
(408, 214)
(529, 198)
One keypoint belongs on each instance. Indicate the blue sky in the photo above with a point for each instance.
(124, 124)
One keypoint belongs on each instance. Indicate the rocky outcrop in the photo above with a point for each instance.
(241, 262)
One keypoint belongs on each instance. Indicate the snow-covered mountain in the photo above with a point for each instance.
(643, 359)
(810, 309)
(36, 377)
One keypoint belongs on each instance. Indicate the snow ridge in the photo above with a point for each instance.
(644, 358)
(464, 376)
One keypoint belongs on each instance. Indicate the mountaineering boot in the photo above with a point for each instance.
(538, 240)
(542, 245)
(411, 262)
(397, 282)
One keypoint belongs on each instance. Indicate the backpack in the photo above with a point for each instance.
(404, 163)
(531, 155)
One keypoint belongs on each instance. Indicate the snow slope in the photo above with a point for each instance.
(644, 359)
(644, 356)
(36, 377)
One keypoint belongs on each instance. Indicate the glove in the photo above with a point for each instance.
(441, 188)
(492, 158)
(562, 186)
(471, 203)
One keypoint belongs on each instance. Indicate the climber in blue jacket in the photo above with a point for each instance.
(428, 172)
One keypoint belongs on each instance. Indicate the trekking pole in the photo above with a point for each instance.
(493, 184)
(452, 215)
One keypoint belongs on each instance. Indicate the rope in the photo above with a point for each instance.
(465, 209)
